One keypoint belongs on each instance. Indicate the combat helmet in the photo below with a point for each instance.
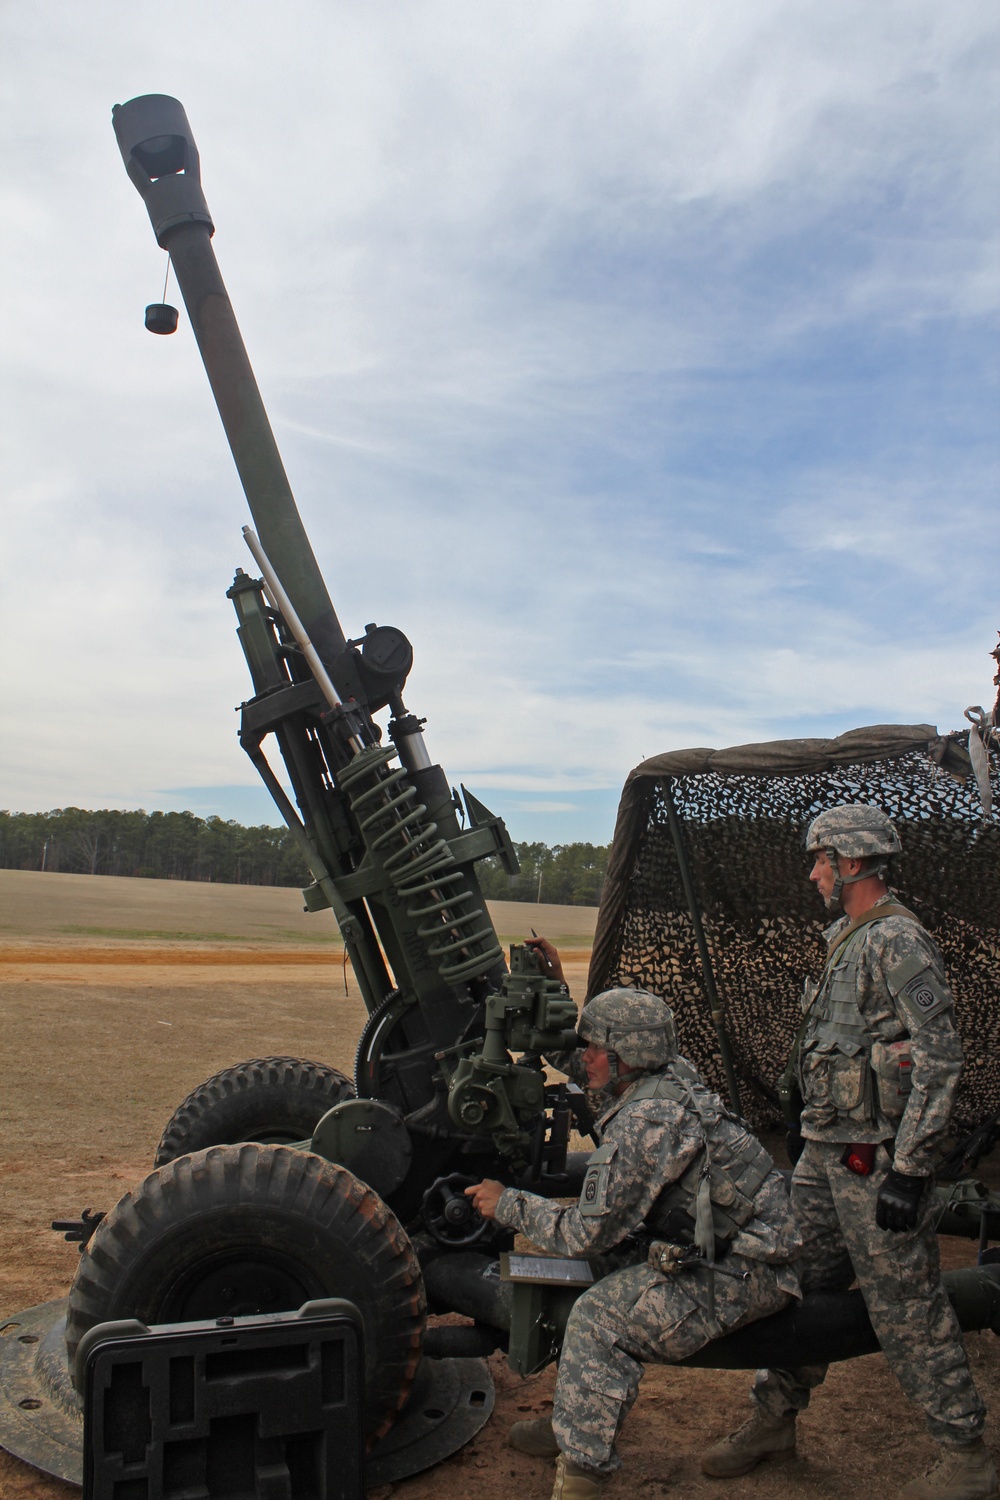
(633, 1026)
(857, 831)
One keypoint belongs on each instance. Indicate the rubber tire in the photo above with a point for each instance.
(164, 1251)
(274, 1100)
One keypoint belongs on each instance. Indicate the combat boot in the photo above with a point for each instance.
(535, 1438)
(760, 1437)
(574, 1483)
(966, 1473)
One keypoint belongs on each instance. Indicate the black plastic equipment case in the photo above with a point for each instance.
(255, 1408)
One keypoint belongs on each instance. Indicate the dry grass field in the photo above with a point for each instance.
(117, 997)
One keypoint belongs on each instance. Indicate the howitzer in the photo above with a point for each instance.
(377, 823)
(281, 1180)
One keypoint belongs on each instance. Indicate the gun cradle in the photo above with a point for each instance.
(490, 1094)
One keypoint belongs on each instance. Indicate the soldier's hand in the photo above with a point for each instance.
(898, 1201)
(485, 1197)
(548, 956)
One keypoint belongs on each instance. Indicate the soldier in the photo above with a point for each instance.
(675, 1166)
(878, 1065)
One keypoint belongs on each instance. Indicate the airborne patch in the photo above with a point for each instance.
(924, 996)
(594, 1194)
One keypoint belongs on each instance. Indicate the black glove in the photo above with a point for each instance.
(898, 1201)
(794, 1143)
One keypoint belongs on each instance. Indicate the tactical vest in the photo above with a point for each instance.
(732, 1164)
(834, 1067)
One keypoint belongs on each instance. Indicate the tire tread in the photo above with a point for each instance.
(214, 1106)
(190, 1203)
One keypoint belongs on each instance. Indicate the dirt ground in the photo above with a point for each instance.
(117, 997)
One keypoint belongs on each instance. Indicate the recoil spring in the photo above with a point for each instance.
(456, 933)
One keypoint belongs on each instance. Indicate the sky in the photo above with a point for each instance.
(639, 361)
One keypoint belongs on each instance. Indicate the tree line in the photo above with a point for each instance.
(181, 846)
(565, 875)
(157, 845)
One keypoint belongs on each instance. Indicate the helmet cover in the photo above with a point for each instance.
(854, 830)
(633, 1024)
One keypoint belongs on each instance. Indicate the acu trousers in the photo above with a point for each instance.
(639, 1315)
(899, 1277)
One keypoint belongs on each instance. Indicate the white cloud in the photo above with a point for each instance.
(631, 359)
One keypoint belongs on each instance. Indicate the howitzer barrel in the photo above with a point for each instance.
(161, 158)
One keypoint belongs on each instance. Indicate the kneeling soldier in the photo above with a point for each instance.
(715, 1245)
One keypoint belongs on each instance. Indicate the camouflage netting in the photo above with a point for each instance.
(742, 815)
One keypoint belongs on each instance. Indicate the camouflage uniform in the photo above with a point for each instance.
(886, 983)
(652, 1153)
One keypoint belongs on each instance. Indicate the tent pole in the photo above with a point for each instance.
(717, 1011)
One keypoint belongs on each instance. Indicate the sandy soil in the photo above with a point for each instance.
(117, 997)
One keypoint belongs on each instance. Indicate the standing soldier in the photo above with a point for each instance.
(680, 1172)
(878, 1065)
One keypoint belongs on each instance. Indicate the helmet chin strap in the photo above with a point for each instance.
(834, 899)
(618, 1082)
(614, 1078)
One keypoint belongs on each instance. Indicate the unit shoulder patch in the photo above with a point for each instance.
(594, 1193)
(918, 989)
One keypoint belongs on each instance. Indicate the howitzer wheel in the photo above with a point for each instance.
(247, 1229)
(273, 1100)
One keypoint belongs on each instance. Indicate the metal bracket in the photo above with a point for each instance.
(79, 1230)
